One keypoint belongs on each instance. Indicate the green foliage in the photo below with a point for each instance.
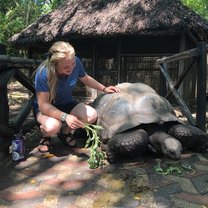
(96, 155)
(169, 168)
(199, 6)
(16, 15)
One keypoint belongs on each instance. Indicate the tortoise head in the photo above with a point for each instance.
(171, 148)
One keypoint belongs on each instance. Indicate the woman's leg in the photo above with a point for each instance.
(49, 127)
(85, 113)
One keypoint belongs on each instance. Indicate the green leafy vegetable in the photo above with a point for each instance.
(171, 168)
(93, 142)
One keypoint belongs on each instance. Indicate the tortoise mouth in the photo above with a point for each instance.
(172, 148)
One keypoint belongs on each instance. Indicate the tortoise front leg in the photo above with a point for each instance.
(191, 137)
(127, 144)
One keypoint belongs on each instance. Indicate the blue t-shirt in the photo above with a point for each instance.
(65, 84)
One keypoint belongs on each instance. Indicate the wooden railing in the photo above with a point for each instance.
(13, 68)
(199, 56)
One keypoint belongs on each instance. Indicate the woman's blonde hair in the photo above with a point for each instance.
(58, 51)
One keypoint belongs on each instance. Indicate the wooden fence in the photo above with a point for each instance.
(12, 67)
(199, 55)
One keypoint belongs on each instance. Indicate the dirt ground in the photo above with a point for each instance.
(63, 177)
(135, 183)
(17, 95)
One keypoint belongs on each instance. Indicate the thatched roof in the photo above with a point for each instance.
(90, 18)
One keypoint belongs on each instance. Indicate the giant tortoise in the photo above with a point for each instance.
(137, 118)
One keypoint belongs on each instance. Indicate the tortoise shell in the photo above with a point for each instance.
(136, 104)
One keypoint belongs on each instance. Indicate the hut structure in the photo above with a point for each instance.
(119, 40)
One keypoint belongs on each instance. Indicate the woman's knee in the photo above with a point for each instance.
(51, 126)
(91, 116)
(85, 113)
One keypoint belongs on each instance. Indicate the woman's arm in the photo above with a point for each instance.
(46, 108)
(49, 110)
(91, 82)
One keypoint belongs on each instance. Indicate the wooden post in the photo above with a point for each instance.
(164, 85)
(4, 113)
(184, 108)
(4, 107)
(201, 86)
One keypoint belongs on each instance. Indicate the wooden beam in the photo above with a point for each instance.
(201, 87)
(179, 56)
(181, 77)
(5, 76)
(24, 80)
(17, 62)
(4, 107)
(181, 62)
(180, 101)
(23, 114)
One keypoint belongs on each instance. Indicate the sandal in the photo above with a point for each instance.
(44, 145)
(68, 139)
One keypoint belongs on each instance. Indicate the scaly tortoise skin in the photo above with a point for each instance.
(138, 117)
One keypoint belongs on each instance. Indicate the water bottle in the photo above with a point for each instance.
(18, 147)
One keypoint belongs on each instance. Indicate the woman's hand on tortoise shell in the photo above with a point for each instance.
(111, 89)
